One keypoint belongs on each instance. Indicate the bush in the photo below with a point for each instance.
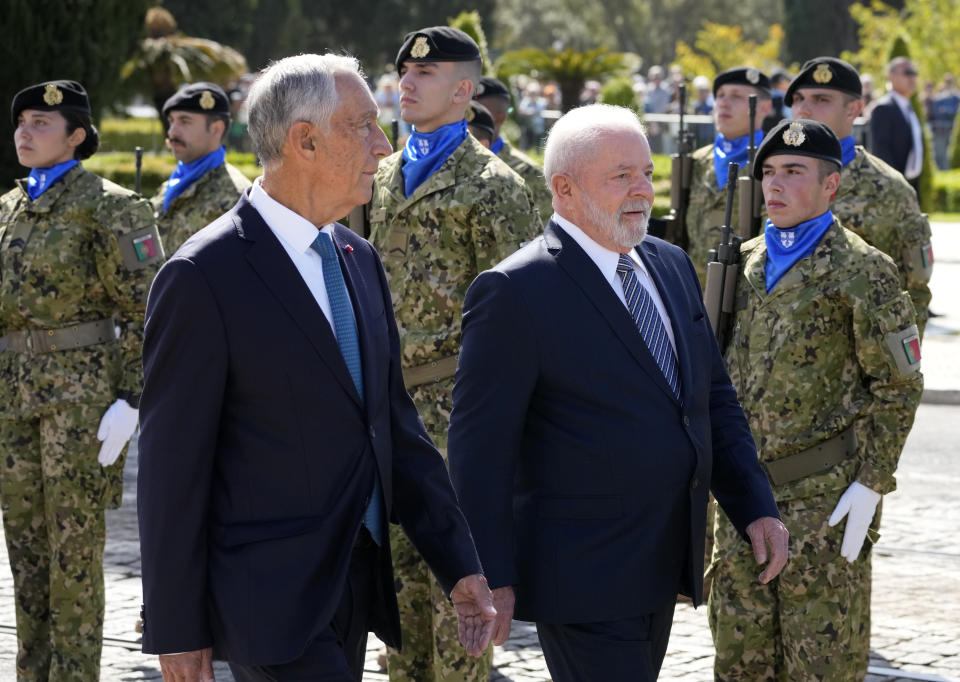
(123, 135)
(619, 92)
(120, 167)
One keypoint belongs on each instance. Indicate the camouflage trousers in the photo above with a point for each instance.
(812, 622)
(52, 494)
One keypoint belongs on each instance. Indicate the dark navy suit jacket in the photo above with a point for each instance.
(890, 136)
(599, 476)
(257, 456)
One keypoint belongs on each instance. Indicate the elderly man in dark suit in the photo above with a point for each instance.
(895, 132)
(277, 437)
(591, 395)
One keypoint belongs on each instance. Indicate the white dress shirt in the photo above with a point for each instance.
(607, 262)
(296, 234)
(915, 157)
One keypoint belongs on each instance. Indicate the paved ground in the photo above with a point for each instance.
(916, 594)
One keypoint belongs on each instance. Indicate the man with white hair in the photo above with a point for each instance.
(277, 436)
(591, 389)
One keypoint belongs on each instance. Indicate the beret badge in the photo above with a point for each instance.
(206, 100)
(420, 48)
(823, 74)
(753, 75)
(52, 95)
(793, 135)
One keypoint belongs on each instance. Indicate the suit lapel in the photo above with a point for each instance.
(281, 276)
(585, 274)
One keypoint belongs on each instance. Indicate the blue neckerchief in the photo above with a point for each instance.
(786, 246)
(726, 151)
(497, 145)
(849, 148)
(425, 152)
(185, 174)
(41, 179)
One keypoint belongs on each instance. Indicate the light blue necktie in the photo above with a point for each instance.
(345, 326)
(647, 319)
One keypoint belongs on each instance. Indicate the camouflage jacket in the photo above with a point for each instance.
(466, 217)
(705, 211)
(85, 250)
(200, 204)
(833, 346)
(877, 203)
(532, 174)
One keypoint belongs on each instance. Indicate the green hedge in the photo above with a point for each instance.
(126, 134)
(120, 167)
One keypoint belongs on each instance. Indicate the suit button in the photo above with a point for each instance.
(686, 420)
(373, 433)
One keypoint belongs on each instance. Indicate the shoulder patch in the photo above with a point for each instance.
(920, 260)
(141, 248)
(905, 347)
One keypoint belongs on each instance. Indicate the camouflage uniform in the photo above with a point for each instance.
(532, 174)
(877, 203)
(470, 214)
(68, 258)
(201, 203)
(827, 352)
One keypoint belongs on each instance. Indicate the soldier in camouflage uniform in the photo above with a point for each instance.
(495, 96)
(443, 210)
(874, 200)
(731, 89)
(825, 356)
(203, 186)
(77, 255)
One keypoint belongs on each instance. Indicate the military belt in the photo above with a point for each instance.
(814, 460)
(430, 372)
(37, 341)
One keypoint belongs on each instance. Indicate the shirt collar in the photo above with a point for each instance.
(901, 101)
(288, 225)
(603, 258)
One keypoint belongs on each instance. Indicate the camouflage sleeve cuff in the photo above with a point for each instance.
(877, 481)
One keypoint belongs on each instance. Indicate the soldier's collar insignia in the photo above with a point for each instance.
(470, 115)
(52, 95)
(793, 135)
(420, 48)
(823, 74)
(206, 100)
(753, 75)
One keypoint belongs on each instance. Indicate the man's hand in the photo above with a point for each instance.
(188, 667)
(476, 616)
(503, 602)
(861, 504)
(769, 531)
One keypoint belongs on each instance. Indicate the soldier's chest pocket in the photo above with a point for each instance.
(811, 325)
(58, 248)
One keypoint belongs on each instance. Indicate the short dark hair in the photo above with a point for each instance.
(480, 133)
(80, 119)
(825, 168)
(219, 117)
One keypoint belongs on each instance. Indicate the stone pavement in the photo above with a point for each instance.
(916, 588)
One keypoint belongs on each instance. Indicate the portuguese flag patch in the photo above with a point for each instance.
(911, 347)
(145, 247)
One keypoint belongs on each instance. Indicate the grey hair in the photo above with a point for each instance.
(895, 62)
(573, 138)
(300, 88)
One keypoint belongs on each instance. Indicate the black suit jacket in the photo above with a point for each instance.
(890, 136)
(604, 475)
(257, 456)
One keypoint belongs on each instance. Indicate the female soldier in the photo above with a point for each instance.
(77, 256)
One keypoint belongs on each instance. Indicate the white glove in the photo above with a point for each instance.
(116, 427)
(860, 503)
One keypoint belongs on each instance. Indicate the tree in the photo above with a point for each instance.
(818, 27)
(45, 40)
(569, 68)
(166, 59)
(469, 23)
(723, 47)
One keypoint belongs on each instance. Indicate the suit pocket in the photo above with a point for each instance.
(237, 534)
(579, 507)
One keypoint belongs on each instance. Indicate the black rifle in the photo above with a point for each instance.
(136, 178)
(750, 195)
(722, 266)
(673, 227)
(359, 217)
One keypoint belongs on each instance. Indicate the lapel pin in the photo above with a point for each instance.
(348, 248)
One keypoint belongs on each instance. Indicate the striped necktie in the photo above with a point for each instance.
(345, 326)
(647, 318)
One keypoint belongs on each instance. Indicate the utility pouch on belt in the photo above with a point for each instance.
(35, 341)
(430, 372)
(814, 460)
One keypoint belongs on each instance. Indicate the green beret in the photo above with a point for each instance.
(479, 116)
(204, 98)
(742, 75)
(437, 44)
(491, 87)
(802, 137)
(50, 96)
(825, 72)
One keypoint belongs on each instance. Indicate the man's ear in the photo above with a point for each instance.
(562, 186)
(464, 91)
(302, 140)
